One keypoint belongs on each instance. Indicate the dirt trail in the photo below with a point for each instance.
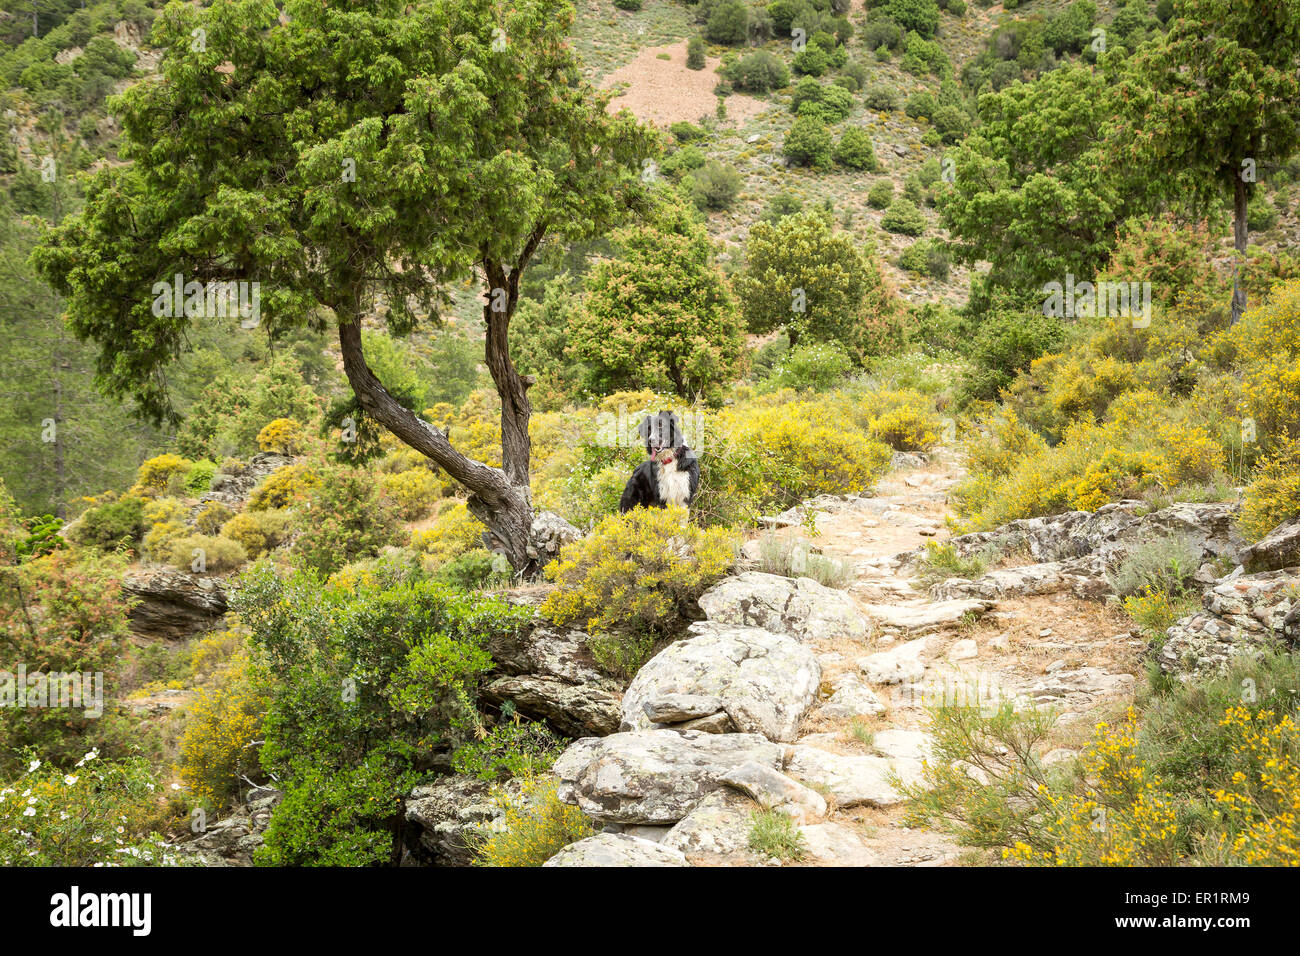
(1053, 650)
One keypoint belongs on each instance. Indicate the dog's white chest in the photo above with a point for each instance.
(674, 485)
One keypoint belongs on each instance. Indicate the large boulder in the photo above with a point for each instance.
(852, 780)
(1279, 549)
(617, 849)
(719, 824)
(764, 682)
(1241, 614)
(653, 776)
(797, 607)
(549, 674)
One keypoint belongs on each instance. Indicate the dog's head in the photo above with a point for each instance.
(660, 431)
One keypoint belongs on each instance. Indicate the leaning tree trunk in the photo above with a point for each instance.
(499, 498)
(1239, 203)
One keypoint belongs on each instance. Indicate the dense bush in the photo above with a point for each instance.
(695, 54)
(816, 367)
(904, 218)
(205, 554)
(258, 531)
(855, 151)
(759, 72)
(635, 580)
(1005, 343)
(346, 518)
(285, 487)
(881, 194)
(715, 186)
(535, 825)
(826, 102)
(284, 435)
(808, 143)
(728, 23)
(919, 16)
(223, 729)
(881, 97)
(1273, 495)
(111, 525)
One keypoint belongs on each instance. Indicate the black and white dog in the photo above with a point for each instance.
(671, 476)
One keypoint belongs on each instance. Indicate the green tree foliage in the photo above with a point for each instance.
(1215, 98)
(442, 156)
(659, 315)
(812, 281)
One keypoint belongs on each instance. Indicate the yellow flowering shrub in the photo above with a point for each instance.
(210, 518)
(155, 474)
(1268, 344)
(284, 487)
(283, 435)
(452, 533)
(1261, 806)
(258, 531)
(906, 428)
(638, 573)
(1273, 496)
(812, 449)
(1123, 818)
(534, 826)
(413, 492)
(222, 725)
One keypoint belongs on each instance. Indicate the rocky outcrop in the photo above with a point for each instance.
(548, 534)
(233, 489)
(444, 816)
(653, 777)
(549, 674)
(1075, 551)
(1241, 614)
(233, 840)
(918, 617)
(852, 780)
(173, 605)
(764, 682)
(1279, 549)
(796, 607)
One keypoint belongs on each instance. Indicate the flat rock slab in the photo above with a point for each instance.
(898, 665)
(796, 607)
(909, 744)
(833, 844)
(574, 709)
(852, 698)
(763, 681)
(719, 824)
(923, 617)
(653, 776)
(773, 790)
(852, 780)
(617, 849)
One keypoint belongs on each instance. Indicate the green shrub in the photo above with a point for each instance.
(817, 366)
(199, 478)
(1161, 564)
(111, 526)
(513, 748)
(637, 574)
(695, 58)
(728, 23)
(684, 160)
(1005, 343)
(471, 571)
(811, 61)
(715, 186)
(925, 257)
(882, 32)
(904, 218)
(919, 16)
(632, 5)
(855, 151)
(881, 194)
(808, 143)
(882, 98)
(759, 72)
(828, 103)
(345, 519)
(774, 833)
(258, 531)
(920, 103)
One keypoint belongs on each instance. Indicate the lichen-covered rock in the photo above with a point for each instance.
(852, 780)
(797, 607)
(573, 709)
(617, 849)
(851, 698)
(719, 824)
(918, 617)
(764, 682)
(1241, 614)
(653, 776)
(1279, 549)
(445, 814)
(773, 790)
(897, 665)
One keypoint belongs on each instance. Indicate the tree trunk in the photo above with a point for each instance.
(499, 502)
(1239, 243)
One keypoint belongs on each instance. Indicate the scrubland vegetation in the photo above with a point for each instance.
(863, 274)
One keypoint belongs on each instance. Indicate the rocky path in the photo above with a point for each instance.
(808, 699)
